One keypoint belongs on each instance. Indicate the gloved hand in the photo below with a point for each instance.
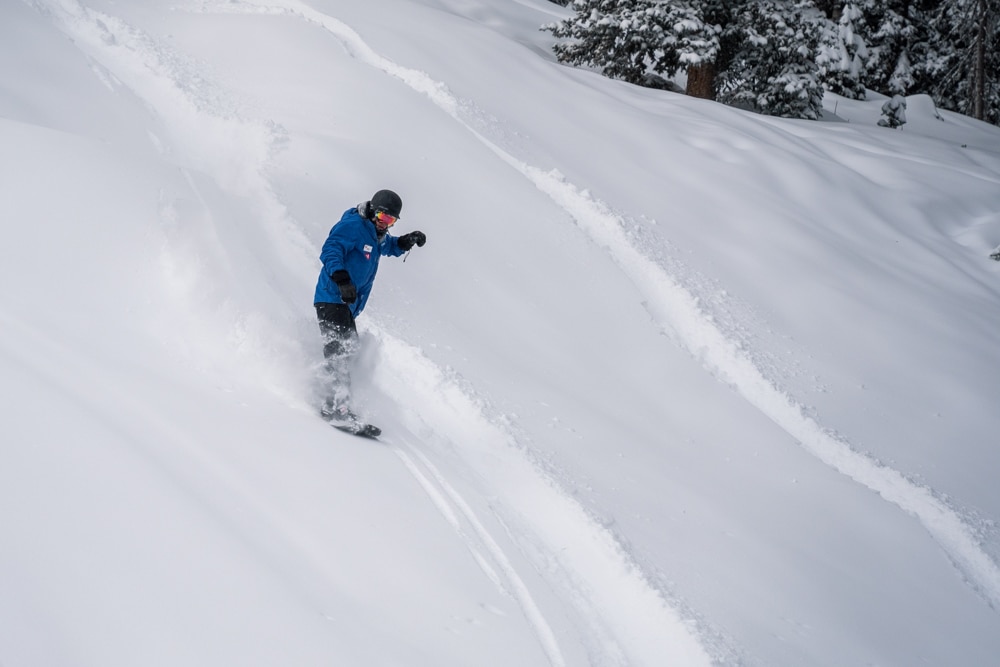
(407, 241)
(348, 292)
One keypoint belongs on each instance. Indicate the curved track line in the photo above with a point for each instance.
(515, 586)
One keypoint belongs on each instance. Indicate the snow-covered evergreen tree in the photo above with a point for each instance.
(702, 31)
(899, 40)
(773, 55)
(843, 55)
(966, 62)
(613, 36)
(694, 36)
(630, 39)
(893, 112)
(902, 78)
(758, 53)
(774, 70)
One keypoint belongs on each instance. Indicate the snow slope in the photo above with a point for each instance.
(670, 383)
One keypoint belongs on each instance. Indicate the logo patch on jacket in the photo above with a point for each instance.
(368, 252)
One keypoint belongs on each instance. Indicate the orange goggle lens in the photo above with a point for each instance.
(384, 219)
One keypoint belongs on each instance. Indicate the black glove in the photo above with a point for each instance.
(406, 241)
(348, 292)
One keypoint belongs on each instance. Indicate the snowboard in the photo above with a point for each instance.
(345, 420)
(361, 430)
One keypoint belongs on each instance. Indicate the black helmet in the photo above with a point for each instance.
(388, 201)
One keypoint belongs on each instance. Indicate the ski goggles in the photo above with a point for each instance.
(384, 219)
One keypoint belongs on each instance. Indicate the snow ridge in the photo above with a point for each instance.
(628, 621)
(677, 310)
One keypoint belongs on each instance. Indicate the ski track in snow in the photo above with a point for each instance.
(441, 492)
(676, 309)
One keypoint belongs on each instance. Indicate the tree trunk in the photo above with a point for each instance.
(979, 73)
(701, 81)
(830, 8)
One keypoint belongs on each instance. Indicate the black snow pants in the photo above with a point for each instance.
(340, 342)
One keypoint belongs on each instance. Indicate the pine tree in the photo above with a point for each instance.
(967, 62)
(774, 70)
(705, 37)
(843, 55)
(767, 55)
(900, 34)
(609, 35)
(695, 36)
(752, 52)
(630, 39)
(830, 8)
(893, 112)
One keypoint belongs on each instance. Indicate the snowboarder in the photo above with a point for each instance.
(350, 259)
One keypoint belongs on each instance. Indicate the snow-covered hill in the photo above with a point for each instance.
(670, 383)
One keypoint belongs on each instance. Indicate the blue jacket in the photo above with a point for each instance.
(353, 246)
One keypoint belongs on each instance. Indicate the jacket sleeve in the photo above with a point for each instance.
(390, 247)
